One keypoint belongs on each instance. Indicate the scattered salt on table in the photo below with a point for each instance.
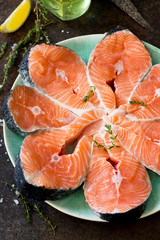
(17, 193)
(16, 201)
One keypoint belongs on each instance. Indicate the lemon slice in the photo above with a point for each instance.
(17, 17)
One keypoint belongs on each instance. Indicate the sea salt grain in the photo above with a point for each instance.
(17, 193)
(16, 201)
(67, 32)
(62, 30)
(1, 200)
(14, 46)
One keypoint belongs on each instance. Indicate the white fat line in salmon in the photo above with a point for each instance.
(133, 118)
(138, 159)
(75, 111)
(140, 81)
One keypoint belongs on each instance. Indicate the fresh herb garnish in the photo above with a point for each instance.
(19, 195)
(3, 49)
(100, 146)
(113, 138)
(91, 92)
(138, 102)
(37, 209)
(109, 130)
(113, 145)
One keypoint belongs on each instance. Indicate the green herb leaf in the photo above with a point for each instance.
(86, 98)
(108, 129)
(19, 195)
(138, 102)
(100, 146)
(3, 49)
(113, 138)
(37, 209)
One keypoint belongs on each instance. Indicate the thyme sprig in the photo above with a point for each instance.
(113, 145)
(91, 92)
(37, 209)
(100, 146)
(3, 49)
(19, 195)
(138, 102)
(33, 37)
(109, 130)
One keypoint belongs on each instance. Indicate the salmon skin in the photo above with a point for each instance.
(39, 112)
(34, 192)
(46, 164)
(61, 74)
(113, 179)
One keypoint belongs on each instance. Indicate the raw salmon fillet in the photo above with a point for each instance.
(113, 179)
(144, 149)
(39, 112)
(149, 129)
(45, 159)
(120, 60)
(61, 73)
(146, 94)
(148, 91)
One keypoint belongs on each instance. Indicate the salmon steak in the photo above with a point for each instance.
(61, 74)
(118, 176)
(39, 112)
(116, 66)
(55, 162)
(95, 125)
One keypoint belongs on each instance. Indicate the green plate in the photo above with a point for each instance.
(75, 205)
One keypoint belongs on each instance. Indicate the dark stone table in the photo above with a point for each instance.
(102, 16)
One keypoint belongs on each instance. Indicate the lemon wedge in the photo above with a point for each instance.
(17, 17)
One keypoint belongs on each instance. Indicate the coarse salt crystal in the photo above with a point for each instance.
(13, 46)
(1, 200)
(16, 201)
(17, 193)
